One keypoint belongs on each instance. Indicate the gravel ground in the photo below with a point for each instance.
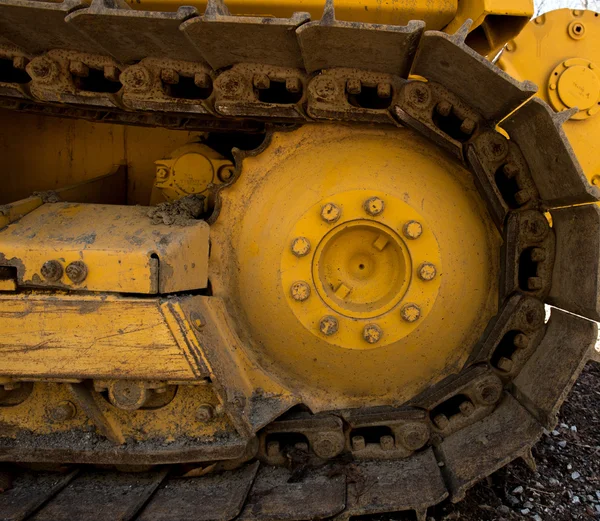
(566, 484)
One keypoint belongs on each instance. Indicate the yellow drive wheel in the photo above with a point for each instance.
(361, 264)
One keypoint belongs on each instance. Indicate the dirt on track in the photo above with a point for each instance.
(566, 484)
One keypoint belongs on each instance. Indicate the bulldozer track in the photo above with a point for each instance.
(216, 71)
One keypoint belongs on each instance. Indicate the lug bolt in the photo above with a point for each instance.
(510, 170)
(300, 291)
(374, 206)
(522, 197)
(293, 84)
(300, 246)
(52, 270)
(169, 76)
(372, 333)
(358, 443)
(202, 80)
(490, 392)
(415, 436)
(353, 86)
(79, 69)
(412, 230)
(467, 126)
(328, 325)
(427, 271)
(410, 313)
(330, 212)
(261, 81)
(63, 411)
(384, 90)
(111, 73)
(443, 108)
(205, 412)
(77, 271)
(327, 445)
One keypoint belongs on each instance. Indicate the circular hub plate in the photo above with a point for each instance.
(362, 269)
(359, 265)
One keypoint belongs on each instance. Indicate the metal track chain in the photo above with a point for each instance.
(217, 71)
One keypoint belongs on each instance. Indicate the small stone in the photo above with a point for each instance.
(518, 490)
(597, 494)
(528, 504)
(512, 500)
(569, 467)
(575, 475)
(537, 517)
(553, 482)
(555, 433)
(597, 508)
(573, 428)
(575, 500)
(564, 425)
(441, 463)
(503, 509)
(525, 511)
(562, 444)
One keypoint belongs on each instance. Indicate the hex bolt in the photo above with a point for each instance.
(415, 436)
(202, 80)
(538, 255)
(427, 271)
(273, 449)
(79, 69)
(521, 341)
(300, 291)
(386, 442)
(52, 270)
(467, 408)
(331, 212)
(374, 206)
(328, 325)
(418, 94)
(358, 443)
(443, 108)
(410, 313)
(353, 86)
(441, 421)
(522, 197)
(510, 170)
(169, 76)
(197, 320)
(327, 445)
(535, 283)
(412, 230)
(490, 392)
(293, 85)
(43, 69)
(225, 173)
(112, 73)
(372, 333)
(162, 172)
(261, 81)
(467, 126)
(128, 395)
(64, 411)
(384, 90)
(505, 364)
(77, 271)
(300, 246)
(205, 412)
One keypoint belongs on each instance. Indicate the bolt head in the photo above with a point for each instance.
(410, 312)
(300, 246)
(329, 325)
(331, 213)
(418, 94)
(300, 291)
(415, 435)
(412, 230)
(327, 445)
(52, 270)
(372, 333)
(162, 172)
(490, 392)
(63, 411)
(427, 271)
(77, 271)
(205, 412)
(225, 173)
(197, 320)
(136, 77)
(374, 206)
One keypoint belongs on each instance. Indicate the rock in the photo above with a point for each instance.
(575, 475)
(553, 482)
(562, 444)
(525, 511)
(518, 490)
(555, 433)
(575, 500)
(573, 428)
(528, 505)
(569, 467)
(503, 509)
(537, 518)
(512, 500)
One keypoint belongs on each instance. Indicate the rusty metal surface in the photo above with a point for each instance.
(218, 497)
